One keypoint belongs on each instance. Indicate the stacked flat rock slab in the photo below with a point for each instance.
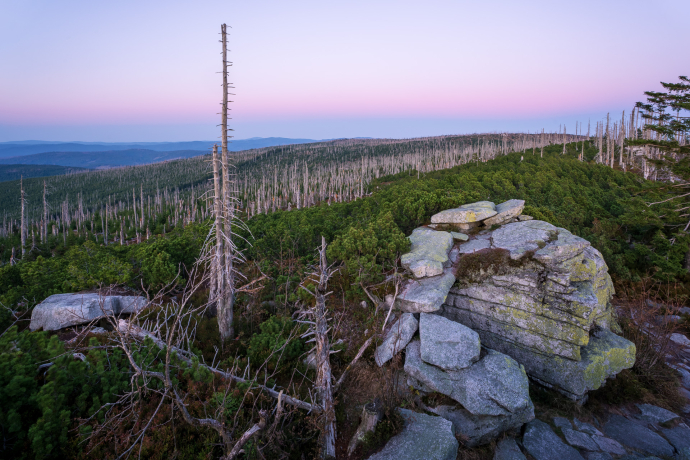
(63, 310)
(541, 295)
(491, 388)
(429, 252)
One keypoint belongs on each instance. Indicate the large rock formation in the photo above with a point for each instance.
(531, 290)
(63, 310)
(540, 294)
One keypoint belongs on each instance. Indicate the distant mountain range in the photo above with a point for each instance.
(15, 172)
(101, 159)
(25, 148)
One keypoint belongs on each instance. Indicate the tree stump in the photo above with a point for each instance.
(371, 414)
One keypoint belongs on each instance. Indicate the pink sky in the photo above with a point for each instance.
(147, 71)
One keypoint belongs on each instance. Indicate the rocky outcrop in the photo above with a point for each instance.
(63, 310)
(540, 294)
(466, 214)
(423, 436)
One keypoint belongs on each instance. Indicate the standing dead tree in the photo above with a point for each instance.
(225, 202)
(319, 329)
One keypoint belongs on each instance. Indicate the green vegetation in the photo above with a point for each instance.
(43, 412)
(15, 172)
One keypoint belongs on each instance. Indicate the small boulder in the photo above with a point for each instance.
(474, 246)
(579, 439)
(63, 310)
(636, 436)
(562, 423)
(397, 338)
(507, 449)
(543, 444)
(425, 295)
(459, 236)
(428, 253)
(494, 385)
(505, 212)
(465, 214)
(680, 340)
(655, 414)
(608, 445)
(678, 436)
(423, 436)
(586, 428)
(447, 344)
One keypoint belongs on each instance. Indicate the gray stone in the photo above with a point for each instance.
(507, 449)
(597, 456)
(678, 436)
(505, 212)
(543, 444)
(473, 246)
(98, 330)
(495, 385)
(459, 236)
(476, 430)
(428, 253)
(579, 439)
(637, 437)
(684, 453)
(565, 247)
(520, 238)
(655, 414)
(467, 213)
(609, 445)
(562, 423)
(423, 437)
(604, 356)
(63, 310)
(524, 217)
(684, 310)
(397, 338)
(680, 339)
(586, 428)
(425, 295)
(447, 344)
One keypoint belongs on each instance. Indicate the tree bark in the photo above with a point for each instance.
(323, 370)
(371, 414)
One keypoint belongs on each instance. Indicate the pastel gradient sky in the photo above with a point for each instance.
(147, 70)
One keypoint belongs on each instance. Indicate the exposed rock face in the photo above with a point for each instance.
(465, 214)
(636, 436)
(447, 344)
(507, 449)
(540, 294)
(397, 338)
(424, 436)
(63, 310)
(429, 252)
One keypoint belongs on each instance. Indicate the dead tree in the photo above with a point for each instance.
(226, 294)
(324, 376)
(23, 218)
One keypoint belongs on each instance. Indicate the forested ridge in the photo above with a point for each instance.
(64, 412)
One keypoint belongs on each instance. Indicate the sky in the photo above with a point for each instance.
(148, 70)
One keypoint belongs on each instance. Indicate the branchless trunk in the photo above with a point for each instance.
(23, 223)
(324, 376)
(225, 306)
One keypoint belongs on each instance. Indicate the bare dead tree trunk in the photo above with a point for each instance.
(324, 377)
(45, 215)
(225, 306)
(23, 222)
(217, 261)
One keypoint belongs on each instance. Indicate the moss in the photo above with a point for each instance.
(480, 265)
